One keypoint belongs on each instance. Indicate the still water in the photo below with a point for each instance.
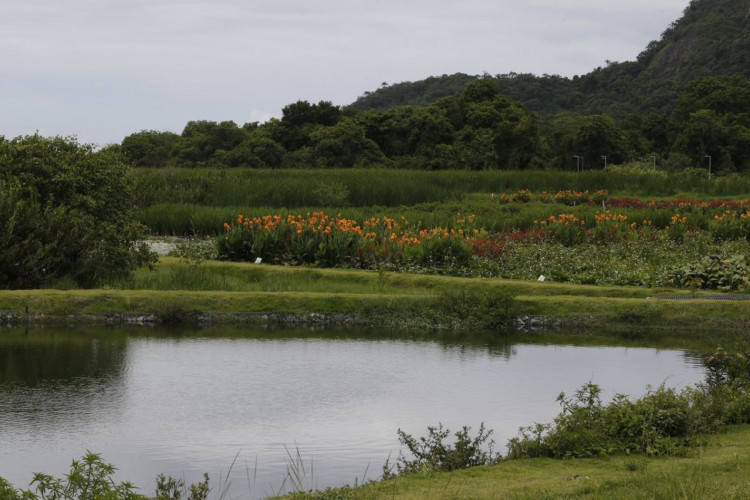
(184, 403)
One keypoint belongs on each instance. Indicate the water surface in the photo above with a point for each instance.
(184, 403)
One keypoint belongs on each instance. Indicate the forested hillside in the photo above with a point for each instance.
(683, 104)
(711, 38)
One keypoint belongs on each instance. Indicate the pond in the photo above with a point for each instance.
(245, 406)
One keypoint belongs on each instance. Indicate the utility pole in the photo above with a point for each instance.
(654, 157)
(709, 166)
(604, 157)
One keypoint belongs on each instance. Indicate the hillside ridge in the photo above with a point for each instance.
(712, 37)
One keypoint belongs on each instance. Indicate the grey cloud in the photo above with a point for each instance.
(106, 68)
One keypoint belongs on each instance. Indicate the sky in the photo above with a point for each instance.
(102, 69)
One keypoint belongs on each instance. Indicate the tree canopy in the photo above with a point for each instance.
(68, 215)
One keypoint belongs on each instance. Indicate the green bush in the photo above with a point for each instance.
(661, 422)
(168, 488)
(713, 273)
(89, 479)
(92, 479)
(478, 306)
(432, 454)
(657, 424)
(68, 214)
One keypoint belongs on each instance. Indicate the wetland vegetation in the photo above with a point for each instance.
(496, 201)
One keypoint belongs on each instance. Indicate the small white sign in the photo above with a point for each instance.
(258, 260)
(541, 278)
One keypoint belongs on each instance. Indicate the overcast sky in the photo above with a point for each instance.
(102, 69)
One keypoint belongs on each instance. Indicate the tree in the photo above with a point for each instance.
(726, 94)
(256, 151)
(713, 118)
(202, 140)
(68, 214)
(590, 137)
(149, 148)
(300, 119)
(496, 131)
(344, 145)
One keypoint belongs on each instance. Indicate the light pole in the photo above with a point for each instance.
(709, 166)
(604, 157)
(654, 157)
(578, 162)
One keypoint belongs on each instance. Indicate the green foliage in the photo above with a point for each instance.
(205, 143)
(194, 251)
(480, 307)
(656, 424)
(149, 148)
(709, 39)
(168, 488)
(724, 368)
(713, 272)
(659, 423)
(343, 145)
(173, 313)
(89, 479)
(69, 215)
(432, 454)
(332, 194)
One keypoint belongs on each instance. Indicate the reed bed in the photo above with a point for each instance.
(389, 188)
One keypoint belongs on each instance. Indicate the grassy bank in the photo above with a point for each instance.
(717, 470)
(389, 299)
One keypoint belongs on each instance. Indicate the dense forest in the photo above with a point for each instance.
(684, 103)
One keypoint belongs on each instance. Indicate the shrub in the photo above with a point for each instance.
(89, 479)
(725, 368)
(480, 307)
(168, 488)
(68, 212)
(657, 424)
(714, 273)
(432, 454)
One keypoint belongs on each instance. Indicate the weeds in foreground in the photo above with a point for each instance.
(432, 454)
(89, 478)
(168, 488)
(296, 473)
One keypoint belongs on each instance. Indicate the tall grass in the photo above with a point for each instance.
(368, 187)
(192, 219)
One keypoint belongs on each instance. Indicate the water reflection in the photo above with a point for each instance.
(188, 401)
(28, 357)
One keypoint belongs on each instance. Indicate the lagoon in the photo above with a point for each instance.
(243, 404)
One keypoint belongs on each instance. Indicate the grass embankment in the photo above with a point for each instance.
(717, 470)
(384, 299)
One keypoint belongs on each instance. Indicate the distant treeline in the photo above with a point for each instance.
(477, 129)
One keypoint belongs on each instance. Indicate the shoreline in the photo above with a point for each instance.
(525, 323)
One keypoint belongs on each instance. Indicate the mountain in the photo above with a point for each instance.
(711, 38)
